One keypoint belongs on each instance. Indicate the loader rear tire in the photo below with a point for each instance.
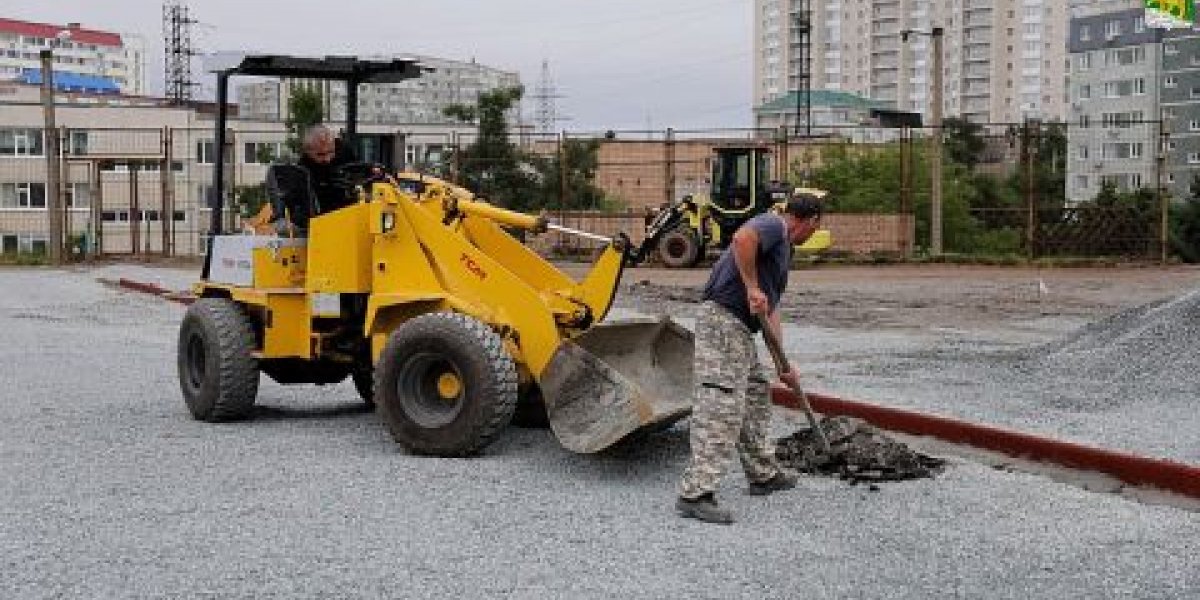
(445, 385)
(218, 373)
(680, 248)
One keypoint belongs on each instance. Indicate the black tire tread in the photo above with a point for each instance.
(237, 370)
(504, 374)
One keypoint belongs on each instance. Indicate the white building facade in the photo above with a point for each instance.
(420, 100)
(78, 51)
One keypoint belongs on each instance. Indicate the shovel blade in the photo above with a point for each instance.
(616, 379)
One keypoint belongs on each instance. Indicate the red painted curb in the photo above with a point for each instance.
(150, 288)
(138, 286)
(1130, 468)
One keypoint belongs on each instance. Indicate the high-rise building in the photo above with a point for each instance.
(1113, 94)
(1135, 102)
(83, 58)
(420, 100)
(1003, 60)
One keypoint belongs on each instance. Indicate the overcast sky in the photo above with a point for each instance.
(619, 64)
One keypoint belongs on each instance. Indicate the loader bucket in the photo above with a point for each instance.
(618, 378)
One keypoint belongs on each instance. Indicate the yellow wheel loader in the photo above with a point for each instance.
(682, 234)
(417, 292)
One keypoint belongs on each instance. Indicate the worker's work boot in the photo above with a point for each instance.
(703, 508)
(779, 482)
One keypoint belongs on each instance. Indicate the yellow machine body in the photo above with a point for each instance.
(419, 245)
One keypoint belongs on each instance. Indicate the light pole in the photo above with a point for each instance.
(935, 199)
(53, 165)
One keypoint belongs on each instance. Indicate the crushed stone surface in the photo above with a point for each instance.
(108, 489)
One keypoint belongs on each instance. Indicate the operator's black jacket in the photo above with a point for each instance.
(307, 188)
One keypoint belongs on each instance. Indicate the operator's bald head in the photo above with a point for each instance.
(318, 144)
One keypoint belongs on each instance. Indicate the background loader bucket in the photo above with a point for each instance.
(618, 378)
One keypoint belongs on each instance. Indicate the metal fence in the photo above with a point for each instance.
(1022, 188)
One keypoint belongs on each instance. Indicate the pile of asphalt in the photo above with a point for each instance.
(858, 453)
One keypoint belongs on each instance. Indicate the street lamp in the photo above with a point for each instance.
(53, 172)
(935, 200)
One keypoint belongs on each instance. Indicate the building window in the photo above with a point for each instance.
(1085, 91)
(1081, 181)
(1139, 25)
(78, 195)
(1083, 62)
(1170, 82)
(21, 142)
(261, 153)
(1082, 152)
(205, 152)
(1193, 158)
(1112, 29)
(1170, 48)
(77, 143)
(22, 195)
(1085, 33)
(31, 243)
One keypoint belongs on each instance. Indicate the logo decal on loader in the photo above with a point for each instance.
(473, 267)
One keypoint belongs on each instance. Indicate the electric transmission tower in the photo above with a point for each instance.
(177, 35)
(545, 115)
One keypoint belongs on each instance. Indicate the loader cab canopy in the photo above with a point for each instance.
(351, 70)
(739, 174)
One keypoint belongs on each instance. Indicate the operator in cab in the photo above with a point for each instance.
(309, 187)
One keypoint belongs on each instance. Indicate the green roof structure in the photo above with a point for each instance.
(823, 98)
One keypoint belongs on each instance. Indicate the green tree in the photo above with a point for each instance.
(964, 143)
(1185, 225)
(492, 166)
(582, 159)
(305, 109)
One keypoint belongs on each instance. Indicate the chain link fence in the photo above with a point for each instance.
(1029, 189)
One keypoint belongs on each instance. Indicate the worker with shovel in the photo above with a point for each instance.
(732, 407)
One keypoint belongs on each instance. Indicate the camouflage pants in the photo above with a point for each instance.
(732, 407)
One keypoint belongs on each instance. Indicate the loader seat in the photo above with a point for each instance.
(290, 190)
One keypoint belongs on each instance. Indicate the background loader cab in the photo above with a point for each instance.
(681, 235)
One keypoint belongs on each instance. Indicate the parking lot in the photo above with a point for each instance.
(111, 490)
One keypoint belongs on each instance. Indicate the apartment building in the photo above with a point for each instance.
(419, 100)
(1113, 91)
(1003, 60)
(99, 60)
(1135, 102)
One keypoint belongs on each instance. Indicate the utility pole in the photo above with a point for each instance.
(935, 199)
(935, 117)
(53, 174)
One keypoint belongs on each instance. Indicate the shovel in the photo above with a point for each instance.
(781, 367)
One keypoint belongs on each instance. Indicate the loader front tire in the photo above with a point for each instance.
(218, 373)
(445, 385)
(680, 248)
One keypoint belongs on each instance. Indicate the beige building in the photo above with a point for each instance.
(116, 151)
(1004, 60)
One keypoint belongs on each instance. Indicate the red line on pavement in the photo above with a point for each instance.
(1130, 468)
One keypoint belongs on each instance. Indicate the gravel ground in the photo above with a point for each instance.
(110, 490)
(1103, 357)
